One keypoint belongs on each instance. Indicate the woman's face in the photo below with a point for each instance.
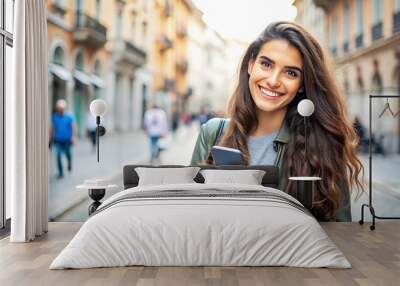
(275, 75)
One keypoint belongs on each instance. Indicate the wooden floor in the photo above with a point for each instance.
(374, 255)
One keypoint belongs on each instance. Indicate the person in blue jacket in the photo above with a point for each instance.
(63, 134)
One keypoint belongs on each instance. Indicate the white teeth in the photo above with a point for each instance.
(268, 92)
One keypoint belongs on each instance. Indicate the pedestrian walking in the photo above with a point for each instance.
(175, 120)
(360, 130)
(63, 134)
(91, 128)
(156, 126)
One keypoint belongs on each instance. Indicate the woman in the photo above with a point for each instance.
(280, 68)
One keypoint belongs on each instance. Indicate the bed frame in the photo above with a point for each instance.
(270, 179)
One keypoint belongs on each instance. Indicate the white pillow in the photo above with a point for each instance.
(164, 176)
(249, 177)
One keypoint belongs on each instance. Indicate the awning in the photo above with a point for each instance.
(97, 81)
(82, 77)
(60, 72)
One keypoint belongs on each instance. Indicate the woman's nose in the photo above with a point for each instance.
(273, 79)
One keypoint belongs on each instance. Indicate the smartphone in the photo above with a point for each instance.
(226, 156)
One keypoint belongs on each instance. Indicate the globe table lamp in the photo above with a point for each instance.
(305, 108)
(305, 185)
(98, 108)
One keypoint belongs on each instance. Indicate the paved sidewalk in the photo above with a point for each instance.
(385, 173)
(385, 187)
(116, 150)
(179, 150)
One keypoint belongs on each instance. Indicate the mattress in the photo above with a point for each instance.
(201, 225)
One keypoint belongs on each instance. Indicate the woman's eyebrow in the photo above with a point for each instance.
(290, 67)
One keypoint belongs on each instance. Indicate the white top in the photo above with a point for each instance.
(305, 178)
(155, 122)
(90, 121)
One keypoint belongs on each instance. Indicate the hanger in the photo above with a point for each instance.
(397, 114)
(387, 106)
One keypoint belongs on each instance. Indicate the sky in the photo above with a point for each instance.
(244, 20)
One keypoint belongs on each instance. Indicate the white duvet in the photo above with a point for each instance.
(183, 231)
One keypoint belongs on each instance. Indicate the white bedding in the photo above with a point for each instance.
(182, 231)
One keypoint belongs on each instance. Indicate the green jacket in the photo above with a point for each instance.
(208, 135)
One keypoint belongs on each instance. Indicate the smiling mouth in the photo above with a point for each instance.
(269, 93)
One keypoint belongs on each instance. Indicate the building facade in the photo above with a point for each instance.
(76, 41)
(197, 57)
(363, 38)
(214, 64)
(311, 17)
(133, 53)
(127, 69)
(95, 53)
(169, 54)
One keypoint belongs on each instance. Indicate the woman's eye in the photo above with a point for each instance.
(291, 73)
(266, 64)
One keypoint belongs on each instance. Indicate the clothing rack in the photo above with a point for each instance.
(369, 205)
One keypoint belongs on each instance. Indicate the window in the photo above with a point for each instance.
(133, 26)
(78, 13)
(396, 17)
(58, 56)
(9, 10)
(98, 10)
(79, 63)
(59, 7)
(360, 17)
(333, 34)
(144, 31)
(119, 23)
(6, 65)
(377, 12)
(346, 27)
(377, 26)
(97, 68)
(78, 6)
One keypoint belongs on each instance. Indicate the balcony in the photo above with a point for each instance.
(359, 41)
(377, 31)
(346, 47)
(182, 65)
(89, 31)
(396, 22)
(59, 7)
(164, 43)
(125, 52)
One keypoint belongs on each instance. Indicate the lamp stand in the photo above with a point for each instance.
(305, 137)
(97, 136)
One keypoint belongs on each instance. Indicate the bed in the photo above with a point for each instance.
(201, 224)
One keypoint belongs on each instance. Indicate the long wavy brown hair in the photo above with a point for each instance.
(332, 140)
